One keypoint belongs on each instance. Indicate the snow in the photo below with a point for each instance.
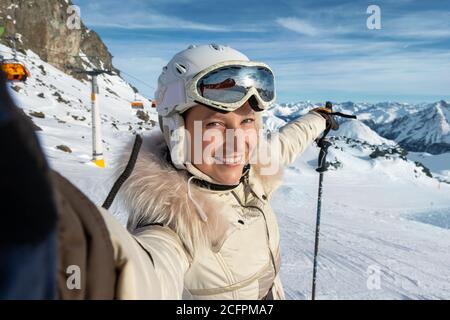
(443, 115)
(381, 214)
(366, 222)
(429, 126)
(12, 6)
(382, 112)
(439, 164)
(68, 123)
(357, 130)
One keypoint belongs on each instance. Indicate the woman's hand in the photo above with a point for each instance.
(326, 113)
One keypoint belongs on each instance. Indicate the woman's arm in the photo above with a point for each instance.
(294, 137)
(150, 264)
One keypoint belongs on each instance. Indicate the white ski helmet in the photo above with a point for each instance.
(174, 93)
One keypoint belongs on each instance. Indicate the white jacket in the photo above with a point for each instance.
(173, 254)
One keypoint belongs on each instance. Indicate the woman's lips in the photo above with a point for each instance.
(230, 161)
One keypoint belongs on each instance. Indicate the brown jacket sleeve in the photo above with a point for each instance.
(86, 263)
(112, 263)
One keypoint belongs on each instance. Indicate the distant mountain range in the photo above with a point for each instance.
(423, 127)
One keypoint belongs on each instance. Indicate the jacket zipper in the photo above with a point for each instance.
(265, 222)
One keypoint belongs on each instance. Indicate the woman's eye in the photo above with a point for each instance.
(249, 120)
(213, 124)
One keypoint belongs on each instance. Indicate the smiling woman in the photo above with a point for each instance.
(224, 141)
(198, 196)
(196, 229)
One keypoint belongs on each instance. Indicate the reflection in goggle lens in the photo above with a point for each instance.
(230, 84)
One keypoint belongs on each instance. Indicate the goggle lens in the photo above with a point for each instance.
(231, 83)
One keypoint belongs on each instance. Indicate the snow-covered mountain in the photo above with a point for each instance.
(381, 112)
(357, 130)
(421, 127)
(427, 130)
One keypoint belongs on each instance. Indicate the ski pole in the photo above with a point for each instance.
(323, 144)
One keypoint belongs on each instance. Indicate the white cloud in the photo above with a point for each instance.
(396, 73)
(424, 25)
(151, 21)
(154, 20)
(299, 26)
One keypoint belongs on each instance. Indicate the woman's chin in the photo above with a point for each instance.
(229, 174)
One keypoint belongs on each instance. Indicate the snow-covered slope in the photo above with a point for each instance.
(51, 90)
(357, 130)
(439, 164)
(380, 211)
(60, 105)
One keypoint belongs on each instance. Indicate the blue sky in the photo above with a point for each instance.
(319, 50)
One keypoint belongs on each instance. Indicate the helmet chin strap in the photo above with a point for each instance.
(193, 170)
(211, 186)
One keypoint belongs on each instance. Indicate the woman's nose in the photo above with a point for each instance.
(234, 141)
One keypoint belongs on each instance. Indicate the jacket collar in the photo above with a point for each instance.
(156, 192)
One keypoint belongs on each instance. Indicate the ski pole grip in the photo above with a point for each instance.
(343, 115)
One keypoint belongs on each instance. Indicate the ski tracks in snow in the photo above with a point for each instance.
(363, 253)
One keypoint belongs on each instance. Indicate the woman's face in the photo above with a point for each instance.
(221, 143)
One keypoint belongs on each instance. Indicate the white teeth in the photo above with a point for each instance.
(231, 160)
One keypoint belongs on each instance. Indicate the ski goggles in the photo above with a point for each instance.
(228, 85)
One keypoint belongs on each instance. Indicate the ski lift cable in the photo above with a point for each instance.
(137, 79)
(13, 39)
(90, 56)
(122, 72)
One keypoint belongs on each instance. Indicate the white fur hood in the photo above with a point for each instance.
(157, 193)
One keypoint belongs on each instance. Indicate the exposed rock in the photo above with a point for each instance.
(389, 152)
(60, 98)
(41, 67)
(424, 169)
(16, 88)
(44, 27)
(79, 118)
(37, 114)
(143, 115)
(111, 91)
(64, 148)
